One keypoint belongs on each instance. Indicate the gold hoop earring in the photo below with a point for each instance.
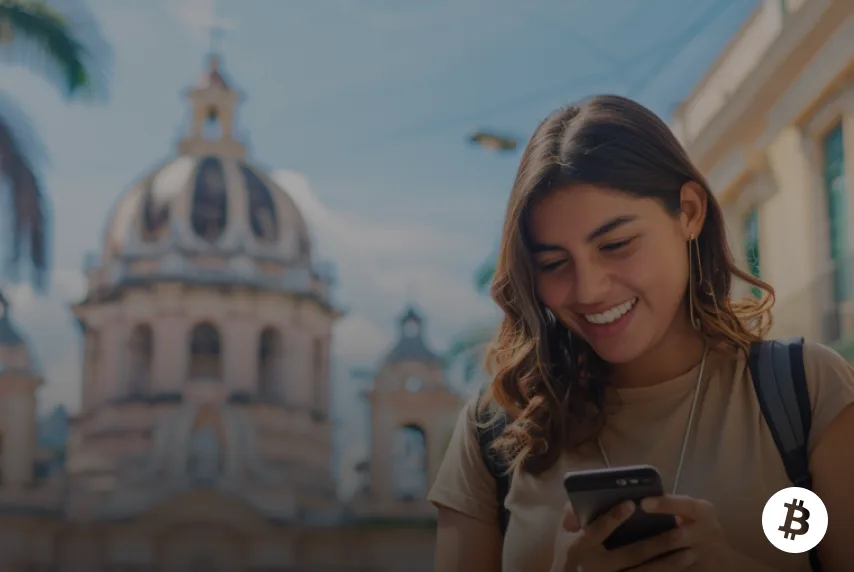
(695, 321)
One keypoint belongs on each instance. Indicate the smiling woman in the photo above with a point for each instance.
(621, 345)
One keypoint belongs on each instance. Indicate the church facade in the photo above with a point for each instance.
(204, 439)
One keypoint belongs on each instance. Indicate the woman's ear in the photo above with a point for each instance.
(693, 203)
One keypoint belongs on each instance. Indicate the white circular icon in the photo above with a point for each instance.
(794, 520)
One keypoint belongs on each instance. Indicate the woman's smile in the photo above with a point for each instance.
(607, 325)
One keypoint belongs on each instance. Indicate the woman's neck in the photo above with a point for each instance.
(679, 351)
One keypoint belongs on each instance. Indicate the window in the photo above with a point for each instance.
(205, 352)
(837, 208)
(262, 209)
(210, 201)
(751, 245)
(140, 353)
(269, 365)
(409, 463)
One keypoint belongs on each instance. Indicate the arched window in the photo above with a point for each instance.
(205, 356)
(155, 218)
(410, 462)
(262, 209)
(140, 352)
(204, 455)
(212, 128)
(270, 365)
(210, 200)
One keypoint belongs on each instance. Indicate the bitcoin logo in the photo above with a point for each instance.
(802, 519)
(794, 520)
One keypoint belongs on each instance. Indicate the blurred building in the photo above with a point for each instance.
(772, 125)
(204, 441)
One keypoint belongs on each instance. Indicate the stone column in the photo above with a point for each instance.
(789, 262)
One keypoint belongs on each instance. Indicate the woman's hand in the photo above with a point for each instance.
(699, 531)
(580, 549)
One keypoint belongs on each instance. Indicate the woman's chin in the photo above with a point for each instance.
(616, 354)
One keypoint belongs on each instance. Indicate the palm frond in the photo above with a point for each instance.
(484, 275)
(26, 221)
(472, 341)
(60, 39)
(466, 355)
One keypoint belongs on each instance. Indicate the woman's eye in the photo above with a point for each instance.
(550, 266)
(614, 246)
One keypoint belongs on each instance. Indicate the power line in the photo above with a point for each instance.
(666, 53)
(691, 33)
(470, 117)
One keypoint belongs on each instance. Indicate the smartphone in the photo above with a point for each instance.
(595, 492)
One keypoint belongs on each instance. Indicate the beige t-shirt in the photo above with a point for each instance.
(731, 459)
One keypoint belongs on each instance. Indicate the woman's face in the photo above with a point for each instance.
(611, 267)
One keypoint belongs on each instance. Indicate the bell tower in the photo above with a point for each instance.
(213, 106)
(412, 412)
(18, 384)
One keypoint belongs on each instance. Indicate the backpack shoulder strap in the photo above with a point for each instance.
(779, 379)
(489, 428)
(777, 369)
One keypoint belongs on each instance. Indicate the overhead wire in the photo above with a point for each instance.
(666, 54)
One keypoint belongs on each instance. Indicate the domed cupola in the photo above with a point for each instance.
(208, 212)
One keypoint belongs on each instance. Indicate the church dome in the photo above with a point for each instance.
(208, 214)
(207, 204)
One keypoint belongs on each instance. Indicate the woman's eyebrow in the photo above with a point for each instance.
(612, 224)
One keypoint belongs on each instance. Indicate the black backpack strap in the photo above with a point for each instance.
(489, 428)
(779, 378)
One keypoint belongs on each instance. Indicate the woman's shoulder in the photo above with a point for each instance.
(463, 482)
(826, 369)
(824, 359)
(830, 379)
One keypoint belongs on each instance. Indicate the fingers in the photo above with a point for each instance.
(570, 521)
(642, 551)
(679, 506)
(600, 529)
(587, 544)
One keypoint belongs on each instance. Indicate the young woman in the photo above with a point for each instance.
(614, 277)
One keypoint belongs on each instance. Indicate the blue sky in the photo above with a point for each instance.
(362, 108)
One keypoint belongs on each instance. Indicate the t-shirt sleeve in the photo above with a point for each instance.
(831, 385)
(463, 482)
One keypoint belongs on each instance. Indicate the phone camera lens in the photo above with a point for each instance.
(633, 481)
(621, 482)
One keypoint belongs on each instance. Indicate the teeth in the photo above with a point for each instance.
(611, 315)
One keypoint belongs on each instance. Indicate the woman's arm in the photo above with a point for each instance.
(464, 544)
(832, 465)
(467, 538)
(831, 385)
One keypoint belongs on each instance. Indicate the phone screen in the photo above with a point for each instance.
(593, 493)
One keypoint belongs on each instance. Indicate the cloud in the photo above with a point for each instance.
(200, 17)
(47, 324)
(382, 264)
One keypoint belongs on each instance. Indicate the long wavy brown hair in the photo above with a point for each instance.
(549, 383)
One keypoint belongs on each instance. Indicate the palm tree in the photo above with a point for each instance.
(65, 46)
(469, 351)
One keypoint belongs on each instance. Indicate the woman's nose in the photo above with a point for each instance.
(591, 283)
